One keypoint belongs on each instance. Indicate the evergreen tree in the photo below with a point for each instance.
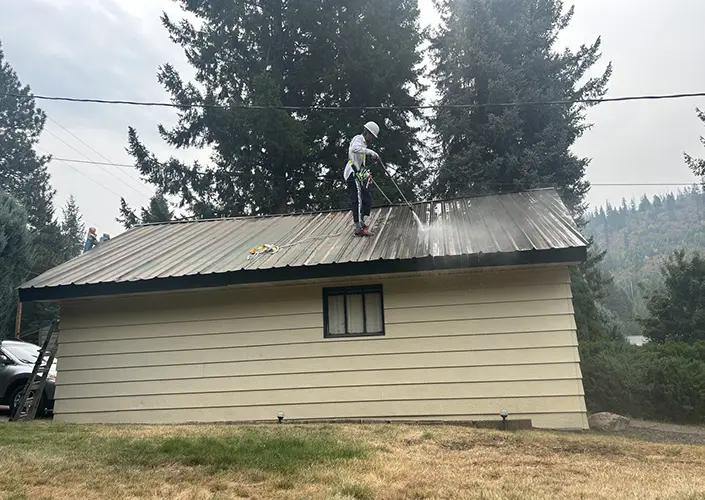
(24, 175)
(589, 286)
(128, 218)
(293, 54)
(72, 229)
(15, 260)
(636, 251)
(496, 51)
(158, 211)
(657, 202)
(677, 311)
(670, 204)
(697, 165)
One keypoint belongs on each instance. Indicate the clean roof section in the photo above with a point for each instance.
(517, 228)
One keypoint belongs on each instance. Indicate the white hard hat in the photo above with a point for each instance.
(372, 128)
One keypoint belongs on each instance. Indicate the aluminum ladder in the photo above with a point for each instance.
(34, 389)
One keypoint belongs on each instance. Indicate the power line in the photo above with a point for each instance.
(365, 108)
(103, 169)
(91, 162)
(604, 184)
(77, 170)
(642, 183)
(93, 149)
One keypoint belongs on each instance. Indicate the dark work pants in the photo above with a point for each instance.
(360, 200)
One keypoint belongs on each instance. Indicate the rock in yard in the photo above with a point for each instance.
(606, 421)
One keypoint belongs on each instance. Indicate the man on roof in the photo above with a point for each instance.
(357, 176)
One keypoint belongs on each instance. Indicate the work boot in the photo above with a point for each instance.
(362, 232)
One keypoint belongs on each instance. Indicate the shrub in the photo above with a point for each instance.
(672, 348)
(675, 381)
(656, 381)
(613, 376)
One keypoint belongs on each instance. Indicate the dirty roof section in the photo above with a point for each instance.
(512, 224)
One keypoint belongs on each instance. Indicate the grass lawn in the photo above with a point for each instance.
(45, 460)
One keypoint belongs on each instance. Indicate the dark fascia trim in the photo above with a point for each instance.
(531, 257)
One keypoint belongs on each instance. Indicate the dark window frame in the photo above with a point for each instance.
(344, 291)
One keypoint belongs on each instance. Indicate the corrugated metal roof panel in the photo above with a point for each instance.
(517, 222)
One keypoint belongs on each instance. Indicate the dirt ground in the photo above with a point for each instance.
(660, 432)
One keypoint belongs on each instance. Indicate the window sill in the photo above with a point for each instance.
(351, 335)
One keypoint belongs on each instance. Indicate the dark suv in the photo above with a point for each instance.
(17, 359)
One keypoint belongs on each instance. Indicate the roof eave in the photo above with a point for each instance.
(570, 255)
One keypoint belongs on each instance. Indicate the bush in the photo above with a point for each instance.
(674, 349)
(656, 381)
(675, 378)
(613, 375)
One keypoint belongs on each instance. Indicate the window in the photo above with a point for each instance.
(353, 311)
(24, 352)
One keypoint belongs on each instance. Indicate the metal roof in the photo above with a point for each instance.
(508, 224)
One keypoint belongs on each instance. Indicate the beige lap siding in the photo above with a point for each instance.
(456, 347)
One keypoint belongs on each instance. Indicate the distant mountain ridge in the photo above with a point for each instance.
(637, 237)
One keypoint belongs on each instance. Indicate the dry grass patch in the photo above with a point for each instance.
(346, 462)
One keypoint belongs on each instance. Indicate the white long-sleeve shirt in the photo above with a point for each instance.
(357, 152)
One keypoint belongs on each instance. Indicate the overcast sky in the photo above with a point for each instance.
(112, 48)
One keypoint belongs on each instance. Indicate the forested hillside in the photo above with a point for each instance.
(637, 237)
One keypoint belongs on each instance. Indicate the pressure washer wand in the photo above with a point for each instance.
(380, 190)
(416, 217)
(384, 167)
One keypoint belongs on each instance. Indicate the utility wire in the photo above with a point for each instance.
(102, 168)
(606, 184)
(91, 162)
(84, 175)
(95, 151)
(366, 108)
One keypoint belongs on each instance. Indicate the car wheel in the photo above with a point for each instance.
(15, 398)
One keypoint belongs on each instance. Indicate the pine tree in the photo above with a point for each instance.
(496, 51)
(697, 165)
(72, 229)
(158, 211)
(15, 242)
(677, 311)
(24, 175)
(128, 218)
(670, 202)
(644, 204)
(297, 53)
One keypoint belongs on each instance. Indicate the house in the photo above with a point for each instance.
(179, 322)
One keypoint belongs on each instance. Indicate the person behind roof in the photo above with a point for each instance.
(91, 239)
